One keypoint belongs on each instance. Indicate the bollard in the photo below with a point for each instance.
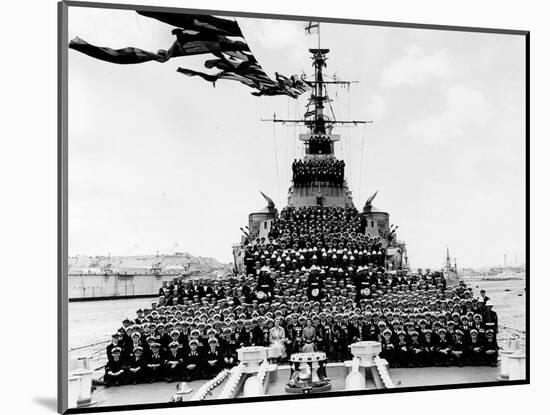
(85, 392)
(505, 363)
(74, 391)
(516, 366)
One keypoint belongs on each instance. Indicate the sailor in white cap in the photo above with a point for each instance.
(192, 362)
(173, 362)
(115, 375)
(155, 363)
(136, 369)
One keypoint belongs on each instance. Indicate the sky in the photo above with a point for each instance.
(161, 162)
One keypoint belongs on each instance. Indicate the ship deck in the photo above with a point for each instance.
(402, 378)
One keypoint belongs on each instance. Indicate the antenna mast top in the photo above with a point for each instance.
(319, 140)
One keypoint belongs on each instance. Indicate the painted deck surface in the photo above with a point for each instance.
(430, 376)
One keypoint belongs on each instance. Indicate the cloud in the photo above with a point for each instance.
(277, 34)
(277, 44)
(465, 110)
(417, 67)
(376, 107)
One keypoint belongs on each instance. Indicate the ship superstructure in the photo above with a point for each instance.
(325, 184)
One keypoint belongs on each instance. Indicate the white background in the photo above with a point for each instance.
(28, 220)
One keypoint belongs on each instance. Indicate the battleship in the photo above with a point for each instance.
(336, 277)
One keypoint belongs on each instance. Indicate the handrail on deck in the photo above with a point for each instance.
(89, 345)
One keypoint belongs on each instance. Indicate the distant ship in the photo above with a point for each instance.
(450, 271)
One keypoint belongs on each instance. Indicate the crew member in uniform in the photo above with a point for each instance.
(314, 284)
(136, 369)
(115, 374)
(490, 348)
(416, 351)
(192, 362)
(247, 337)
(115, 342)
(264, 288)
(155, 364)
(173, 362)
(458, 348)
(401, 349)
(490, 318)
(229, 349)
(362, 285)
(475, 349)
(213, 359)
(443, 349)
(388, 348)
(428, 345)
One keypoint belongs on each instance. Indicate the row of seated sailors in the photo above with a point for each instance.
(323, 230)
(331, 284)
(197, 359)
(440, 349)
(362, 326)
(443, 314)
(335, 232)
(318, 212)
(314, 219)
(321, 253)
(326, 219)
(318, 250)
(293, 289)
(463, 313)
(305, 172)
(152, 364)
(327, 265)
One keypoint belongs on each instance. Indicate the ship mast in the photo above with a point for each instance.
(320, 139)
(313, 188)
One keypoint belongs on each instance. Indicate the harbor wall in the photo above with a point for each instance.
(105, 277)
(87, 287)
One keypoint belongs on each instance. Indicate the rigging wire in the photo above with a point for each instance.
(276, 164)
(294, 138)
(348, 143)
(361, 163)
(287, 139)
(329, 104)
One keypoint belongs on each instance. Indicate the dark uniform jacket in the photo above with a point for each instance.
(134, 362)
(114, 366)
(247, 338)
(192, 358)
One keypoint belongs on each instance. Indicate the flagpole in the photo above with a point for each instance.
(318, 35)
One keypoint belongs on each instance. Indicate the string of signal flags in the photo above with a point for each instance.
(200, 34)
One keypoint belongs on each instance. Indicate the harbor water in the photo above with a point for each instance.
(95, 321)
(509, 299)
